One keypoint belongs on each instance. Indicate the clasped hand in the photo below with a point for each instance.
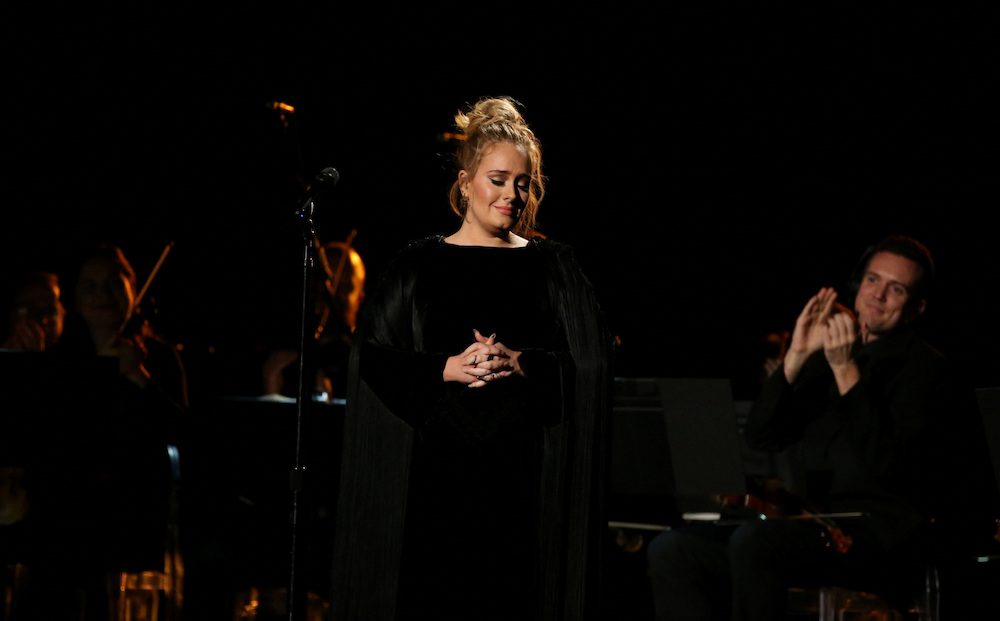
(483, 362)
(819, 327)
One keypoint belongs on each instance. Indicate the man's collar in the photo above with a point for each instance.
(895, 342)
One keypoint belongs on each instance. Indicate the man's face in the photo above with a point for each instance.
(886, 289)
(41, 304)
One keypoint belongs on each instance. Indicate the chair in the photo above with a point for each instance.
(148, 595)
(834, 603)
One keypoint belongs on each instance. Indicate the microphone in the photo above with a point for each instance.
(325, 178)
(328, 175)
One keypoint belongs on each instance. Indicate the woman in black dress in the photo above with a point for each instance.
(474, 456)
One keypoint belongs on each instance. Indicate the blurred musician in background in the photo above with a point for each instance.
(35, 324)
(101, 476)
(107, 321)
(339, 288)
(36, 314)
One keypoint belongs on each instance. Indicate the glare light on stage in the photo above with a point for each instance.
(280, 105)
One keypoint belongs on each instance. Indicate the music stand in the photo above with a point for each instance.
(675, 448)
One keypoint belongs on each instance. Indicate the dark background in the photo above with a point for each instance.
(712, 168)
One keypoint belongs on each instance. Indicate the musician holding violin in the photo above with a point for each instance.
(889, 459)
(104, 481)
(338, 285)
(109, 322)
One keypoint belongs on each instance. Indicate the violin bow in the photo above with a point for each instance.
(145, 286)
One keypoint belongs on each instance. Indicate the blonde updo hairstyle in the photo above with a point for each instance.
(488, 122)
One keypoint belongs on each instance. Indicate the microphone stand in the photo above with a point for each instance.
(297, 478)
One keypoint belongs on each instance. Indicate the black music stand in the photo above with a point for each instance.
(675, 448)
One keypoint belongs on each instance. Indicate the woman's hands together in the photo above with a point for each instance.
(483, 362)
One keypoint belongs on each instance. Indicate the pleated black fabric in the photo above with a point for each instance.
(474, 503)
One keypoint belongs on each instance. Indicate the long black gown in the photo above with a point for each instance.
(474, 503)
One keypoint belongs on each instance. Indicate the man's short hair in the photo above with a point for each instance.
(913, 250)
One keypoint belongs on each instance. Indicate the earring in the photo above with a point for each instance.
(464, 203)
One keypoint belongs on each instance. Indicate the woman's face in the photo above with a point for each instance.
(498, 191)
(103, 294)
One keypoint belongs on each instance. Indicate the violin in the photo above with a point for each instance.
(841, 541)
(774, 502)
(767, 498)
(751, 502)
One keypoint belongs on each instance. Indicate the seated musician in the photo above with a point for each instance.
(35, 314)
(100, 474)
(889, 448)
(339, 292)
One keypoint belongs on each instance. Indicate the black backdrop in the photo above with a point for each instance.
(712, 168)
